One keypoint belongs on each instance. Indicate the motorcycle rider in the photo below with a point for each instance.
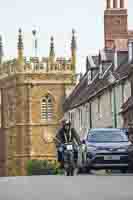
(130, 151)
(65, 135)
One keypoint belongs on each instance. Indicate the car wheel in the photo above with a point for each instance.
(79, 170)
(108, 171)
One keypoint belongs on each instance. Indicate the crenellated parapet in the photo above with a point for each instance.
(50, 64)
(36, 65)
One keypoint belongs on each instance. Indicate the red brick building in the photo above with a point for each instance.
(116, 25)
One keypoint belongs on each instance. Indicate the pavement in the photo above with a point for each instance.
(67, 188)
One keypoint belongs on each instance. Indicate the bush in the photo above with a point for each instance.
(43, 167)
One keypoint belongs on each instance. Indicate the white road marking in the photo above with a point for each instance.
(5, 179)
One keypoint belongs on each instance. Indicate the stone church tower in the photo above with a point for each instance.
(116, 25)
(32, 94)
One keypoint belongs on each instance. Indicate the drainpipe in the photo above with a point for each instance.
(90, 115)
(114, 108)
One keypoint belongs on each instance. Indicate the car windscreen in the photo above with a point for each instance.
(107, 136)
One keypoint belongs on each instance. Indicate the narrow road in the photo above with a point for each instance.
(83, 187)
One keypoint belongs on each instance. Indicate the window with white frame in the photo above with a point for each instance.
(46, 108)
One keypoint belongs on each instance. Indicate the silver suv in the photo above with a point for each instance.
(106, 148)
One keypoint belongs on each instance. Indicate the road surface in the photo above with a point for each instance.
(82, 187)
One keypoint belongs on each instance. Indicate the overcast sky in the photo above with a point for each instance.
(57, 18)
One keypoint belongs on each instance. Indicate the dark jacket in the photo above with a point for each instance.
(63, 137)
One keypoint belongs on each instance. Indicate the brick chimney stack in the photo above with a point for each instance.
(115, 24)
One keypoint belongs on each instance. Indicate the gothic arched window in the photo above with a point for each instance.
(46, 108)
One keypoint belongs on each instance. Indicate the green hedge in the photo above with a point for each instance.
(43, 167)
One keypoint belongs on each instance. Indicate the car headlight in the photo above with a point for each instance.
(91, 148)
(91, 152)
(122, 149)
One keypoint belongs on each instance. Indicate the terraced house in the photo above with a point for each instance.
(127, 108)
(98, 98)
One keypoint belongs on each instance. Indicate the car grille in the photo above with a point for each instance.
(113, 153)
(123, 160)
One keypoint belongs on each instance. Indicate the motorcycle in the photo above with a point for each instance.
(69, 162)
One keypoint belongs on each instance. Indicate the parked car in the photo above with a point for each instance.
(106, 149)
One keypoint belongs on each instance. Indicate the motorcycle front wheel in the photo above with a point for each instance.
(69, 172)
(72, 172)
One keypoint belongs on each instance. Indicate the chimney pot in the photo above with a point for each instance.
(108, 4)
(115, 4)
(122, 4)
